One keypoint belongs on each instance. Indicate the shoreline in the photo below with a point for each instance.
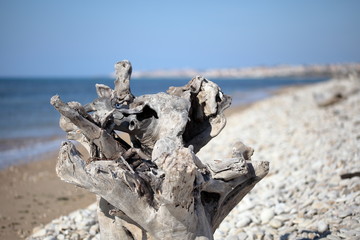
(313, 70)
(17, 151)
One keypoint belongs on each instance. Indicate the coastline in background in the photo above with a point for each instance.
(289, 71)
(29, 124)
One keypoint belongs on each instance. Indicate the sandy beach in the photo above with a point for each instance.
(32, 195)
(309, 146)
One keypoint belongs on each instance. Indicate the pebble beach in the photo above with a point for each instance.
(311, 137)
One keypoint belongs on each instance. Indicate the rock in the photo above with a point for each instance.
(50, 238)
(312, 212)
(345, 213)
(243, 222)
(218, 234)
(39, 232)
(75, 236)
(37, 228)
(332, 237)
(78, 217)
(242, 236)
(94, 229)
(268, 237)
(82, 233)
(225, 227)
(60, 237)
(280, 208)
(274, 223)
(322, 226)
(96, 237)
(312, 235)
(232, 237)
(255, 219)
(266, 215)
(259, 234)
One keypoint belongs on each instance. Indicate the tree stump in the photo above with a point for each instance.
(156, 187)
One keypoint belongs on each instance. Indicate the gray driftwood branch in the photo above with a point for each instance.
(155, 187)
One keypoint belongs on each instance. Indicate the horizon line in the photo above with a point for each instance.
(186, 72)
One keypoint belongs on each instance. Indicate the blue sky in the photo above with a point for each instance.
(86, 38)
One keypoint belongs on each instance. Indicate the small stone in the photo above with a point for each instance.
(94, 229)
(312, 235)
(63, 225)
(50, 238)
(242, 236)
(266, 215)
(303, 223)
(345, 213)
(332, 237)
(218, 234)
(255, 219)
(37, 228)
(275, 223)
(271, 231)
(293, 211)
(225, 227)
(280, 208)
(78, 218)
(259, 234)
(60, 237)
(232, 237)
(322, 226)
(284, 217)
(268, 236)
(82, 233)
(233, 231)
(86, 223)
(75, 236)
(355, 233)
(243, 222)
(39, 232)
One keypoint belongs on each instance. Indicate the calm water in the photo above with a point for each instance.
(29, 124)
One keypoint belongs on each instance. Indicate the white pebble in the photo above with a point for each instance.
(40, 233)
(243, 222)
(242, 236)
(322, 226)
(275, 223)
(266, 215)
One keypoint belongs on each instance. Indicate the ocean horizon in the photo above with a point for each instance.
(29, 125)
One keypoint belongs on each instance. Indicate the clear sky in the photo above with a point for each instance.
(86, 38)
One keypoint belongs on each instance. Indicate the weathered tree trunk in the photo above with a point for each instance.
(157, 188)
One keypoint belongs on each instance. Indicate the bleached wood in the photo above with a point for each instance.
(123, 70)
(100, 137)
(157, 188)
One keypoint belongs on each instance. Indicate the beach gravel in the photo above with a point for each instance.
(309, 148)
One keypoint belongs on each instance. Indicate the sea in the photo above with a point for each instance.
(29, 125)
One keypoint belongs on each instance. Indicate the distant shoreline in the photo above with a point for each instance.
(328, 70)
(338, 70)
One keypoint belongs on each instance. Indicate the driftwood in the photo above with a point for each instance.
(155, 187)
